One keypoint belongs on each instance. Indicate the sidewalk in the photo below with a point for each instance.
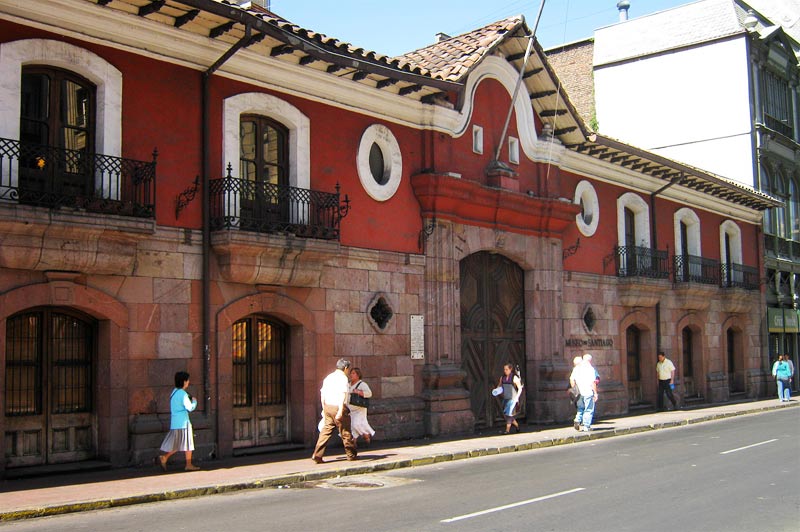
(36, 497)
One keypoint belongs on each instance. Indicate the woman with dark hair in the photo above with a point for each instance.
(510, 385)
(359, 426)
(180, 436)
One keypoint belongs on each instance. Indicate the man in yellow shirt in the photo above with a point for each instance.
(666, 381)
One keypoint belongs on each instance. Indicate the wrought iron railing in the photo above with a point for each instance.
(638, 261)
(694, 269)
(270, 208)
(48, 176)
(739, 276)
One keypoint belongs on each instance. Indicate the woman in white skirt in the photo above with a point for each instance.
(359, 426)
(180, 436)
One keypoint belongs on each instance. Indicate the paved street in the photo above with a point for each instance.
(737, 474)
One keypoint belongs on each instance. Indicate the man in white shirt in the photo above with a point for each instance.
(666, 381)
(585, 378)
(336, 414)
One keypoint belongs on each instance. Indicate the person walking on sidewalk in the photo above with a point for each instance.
(584, 377)
(336, 414)
(180, 436)
(359, 425)
(665, 370)
(511, 384)
(783, 375)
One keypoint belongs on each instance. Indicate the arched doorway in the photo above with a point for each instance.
(735, 359)
(633, 344)
(259, 382)
(49, 387)
(492, 329)
(691, 362)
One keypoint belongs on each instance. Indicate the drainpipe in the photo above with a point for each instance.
(654, 245)
(206, 213)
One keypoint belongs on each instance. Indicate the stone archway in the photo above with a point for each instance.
(302, 345)
(690, 357)
(492, 329)
(110, 363)
(638, 358)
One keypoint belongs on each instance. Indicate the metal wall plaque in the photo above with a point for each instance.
(417, 337)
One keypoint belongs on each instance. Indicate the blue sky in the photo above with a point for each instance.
(392, 27)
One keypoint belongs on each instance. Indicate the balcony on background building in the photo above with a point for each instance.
(52, 177)
(643, 273)
(694, 269)
(639, 261)
(696, 281)
(271, 208)
(739, 276)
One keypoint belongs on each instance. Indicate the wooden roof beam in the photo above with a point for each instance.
(388, 82)
(152, 7)
(186, 18)
(564, 130)
(621, 158)
(333, 68)
(221, 29)
(359, 75)
(542, 94)
(405, 91)
(515, 57)
(595, 151)
(103, 2)
(533, 72)
(553, 112)
(282, 49)
(307, 60)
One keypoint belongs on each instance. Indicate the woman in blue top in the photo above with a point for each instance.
(783, 374)
(180, 436)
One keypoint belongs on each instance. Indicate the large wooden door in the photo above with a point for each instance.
(49, 410)
(260, 377)
(633, 343)
(492, 329)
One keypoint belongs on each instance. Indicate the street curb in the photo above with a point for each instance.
(295, 478)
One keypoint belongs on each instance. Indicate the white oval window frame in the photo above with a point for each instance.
(585, 191)
(392, 162)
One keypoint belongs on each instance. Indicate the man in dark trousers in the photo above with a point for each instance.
(666, 380)
(335, 413)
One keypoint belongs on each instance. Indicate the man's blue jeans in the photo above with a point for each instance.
(585, 410)
(784, 390)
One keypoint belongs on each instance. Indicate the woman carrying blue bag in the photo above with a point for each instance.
(180, 436)
(782, 372)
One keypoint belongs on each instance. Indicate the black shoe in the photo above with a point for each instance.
(576, 426)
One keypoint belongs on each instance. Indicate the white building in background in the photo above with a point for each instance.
(712, 83)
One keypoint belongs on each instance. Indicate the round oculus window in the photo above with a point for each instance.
(586, 198)
(379, 162)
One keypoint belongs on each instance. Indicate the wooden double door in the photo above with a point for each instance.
(492, 330)
(259, 385)
(49, 383)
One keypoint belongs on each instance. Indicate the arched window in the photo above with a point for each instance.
(794, 210)
(688, 265)
(633, 221)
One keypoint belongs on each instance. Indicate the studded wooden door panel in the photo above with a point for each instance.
(492, 329)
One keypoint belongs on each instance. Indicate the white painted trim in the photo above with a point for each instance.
(641, 219)
(392, 162)
(692, 221)
(108, 96)
(734, 231)
(298, 125)
(291, 117)
(585, 191)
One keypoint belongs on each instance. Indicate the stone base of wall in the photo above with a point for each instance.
(717, 386)
(147, 431)
(760, 383)
(397, 418)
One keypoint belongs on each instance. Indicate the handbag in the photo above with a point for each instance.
(358, 400)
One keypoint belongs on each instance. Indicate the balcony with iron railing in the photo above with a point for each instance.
(739, 276)
(270, 208)
(266, 233)
(694, 269)
(53, 177)
(639, 261)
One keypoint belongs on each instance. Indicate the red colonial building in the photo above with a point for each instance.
(188, 184)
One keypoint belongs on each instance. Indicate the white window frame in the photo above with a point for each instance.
(641, 212)
(734, 232)
(692, 221)
(513, 150)
(298, 125)
(108, 94)
(477, 139)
